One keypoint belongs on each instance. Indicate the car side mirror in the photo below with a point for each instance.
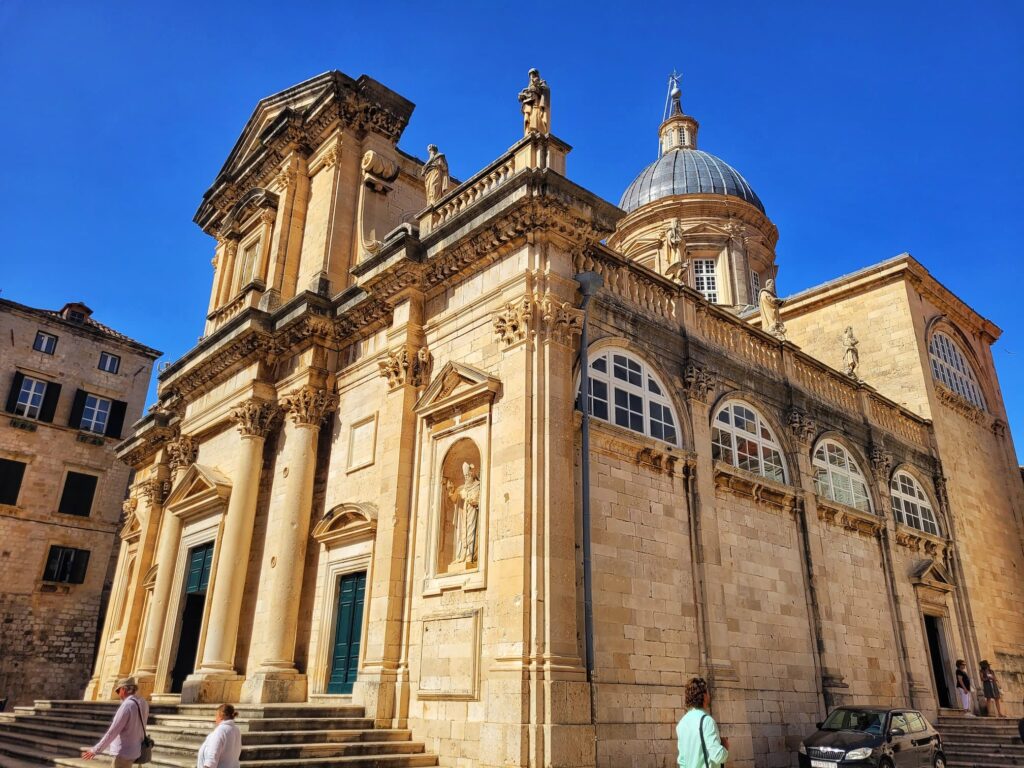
(818, 725)
(896, 732)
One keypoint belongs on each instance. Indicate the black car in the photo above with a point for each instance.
(873, 736)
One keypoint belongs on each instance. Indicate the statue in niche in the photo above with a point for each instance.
(771, 317)
(851, 357)
(535, 101)
(460, 501)
(435, 174)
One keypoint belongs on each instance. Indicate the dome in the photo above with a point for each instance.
(686, 171)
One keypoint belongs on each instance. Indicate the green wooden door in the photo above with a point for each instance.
(348, 630)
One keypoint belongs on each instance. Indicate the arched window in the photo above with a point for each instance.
(837, 476)
(950, 367)
(625, 392)
(911, 505)
(739, 436)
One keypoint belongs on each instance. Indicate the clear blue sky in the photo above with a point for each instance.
(867, 128)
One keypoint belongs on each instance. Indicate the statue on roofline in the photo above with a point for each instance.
(535, 101)
(435, 174)
(851, 357)
(771, 317)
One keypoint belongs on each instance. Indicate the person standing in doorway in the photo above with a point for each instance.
(699, 743)
(963, 687)
(223, 747)
(127, 729)
(990, 687)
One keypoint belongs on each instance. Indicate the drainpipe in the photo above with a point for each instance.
(590, 283)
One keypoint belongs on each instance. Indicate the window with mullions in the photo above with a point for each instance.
(95, 414)
(109, 363)
(30, 398)
(739, 436)
(755, 287)
(705, 279)
(624, 392)
(66, 565)
(950, 367)
(837, 476)
(910, 504)
(45, 343)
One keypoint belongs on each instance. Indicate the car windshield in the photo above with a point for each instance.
(865, 720)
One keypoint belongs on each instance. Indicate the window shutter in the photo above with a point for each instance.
(79, 490)
(116, 420)
(11, 474)
(50, 398)
(77, 407)
(12, 397)
(78, 566)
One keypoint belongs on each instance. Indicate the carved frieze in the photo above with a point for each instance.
(512, 323)
(308, 406)
(803, 426)
(403, 366)
(254, 418)
(698, 381)
(181, 452)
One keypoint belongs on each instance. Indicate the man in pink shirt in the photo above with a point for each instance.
(125, 734)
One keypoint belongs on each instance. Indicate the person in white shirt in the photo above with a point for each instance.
(223, 747)
(126, 731)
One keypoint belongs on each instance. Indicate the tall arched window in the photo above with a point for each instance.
(739, 436)
(837, 476)
(950, 367)
(624, 391)
(910, 504)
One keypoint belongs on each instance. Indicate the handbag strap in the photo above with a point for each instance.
(703, 746)
(138, 711)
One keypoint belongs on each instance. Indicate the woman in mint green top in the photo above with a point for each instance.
(695, 752)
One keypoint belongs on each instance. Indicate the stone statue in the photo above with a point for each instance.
(466, 499)
(771, 317)
(435, 174)
(535, 100)
(851, 357)
(675, 247)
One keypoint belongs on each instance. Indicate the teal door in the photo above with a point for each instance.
(197, 580)
(348, 630)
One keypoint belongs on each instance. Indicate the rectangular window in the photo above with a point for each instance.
(66, 565)
(30, 398)
(755, 287)
(705, 279)
(109, 363)
(79, 490)
(45, 343)
(11, 474)
(95, 414)
(247, 264)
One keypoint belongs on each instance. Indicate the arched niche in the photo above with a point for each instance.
(458, 540)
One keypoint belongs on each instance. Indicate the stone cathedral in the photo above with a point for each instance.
(364, 485)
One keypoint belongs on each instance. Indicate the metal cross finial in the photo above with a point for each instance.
(673, 104)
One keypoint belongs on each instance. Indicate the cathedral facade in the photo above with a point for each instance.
(365, 482)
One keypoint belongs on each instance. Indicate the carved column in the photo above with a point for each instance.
(215, 679)
(153, 493)
(276, 678)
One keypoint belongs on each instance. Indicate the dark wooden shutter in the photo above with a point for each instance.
(79, 490)
(50, 398)
(79, 564)
(75, 420)
(12, 397)
(11, 474)
(115, 422)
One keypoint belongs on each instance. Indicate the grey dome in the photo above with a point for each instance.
(687, 172)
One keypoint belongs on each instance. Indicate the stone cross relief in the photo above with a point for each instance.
(535, 102)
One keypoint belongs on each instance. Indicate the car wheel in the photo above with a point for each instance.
(885, 762)
(939, 761)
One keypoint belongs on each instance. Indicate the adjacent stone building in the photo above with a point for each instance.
(364, 483)
(71, 386)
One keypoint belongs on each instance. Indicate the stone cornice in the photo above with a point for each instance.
(757, 487)
(849, 518)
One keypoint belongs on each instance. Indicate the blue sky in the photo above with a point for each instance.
(867, 128)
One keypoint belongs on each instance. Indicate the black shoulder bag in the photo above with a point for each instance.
(147, 743)
(703, 746)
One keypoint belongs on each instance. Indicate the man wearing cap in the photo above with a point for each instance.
(125, 734)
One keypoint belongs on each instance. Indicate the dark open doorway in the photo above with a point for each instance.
(938, 657)
(197, 580)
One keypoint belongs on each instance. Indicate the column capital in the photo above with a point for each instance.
(181, 452)
(153, 491)
(308, 405)
(254, 418)
(699, 381)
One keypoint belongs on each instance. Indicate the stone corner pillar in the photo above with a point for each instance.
(276, 679)
(215, 678)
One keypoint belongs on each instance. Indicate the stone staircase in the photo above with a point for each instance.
(54, 733)
(980, 742)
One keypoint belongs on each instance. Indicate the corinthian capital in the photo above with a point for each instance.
(254, 417)
(182, 452)
(308, 406)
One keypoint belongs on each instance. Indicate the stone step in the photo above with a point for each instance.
(271, 752)
(349, 761)
(307, 724)
(160, 733)
(106, 709)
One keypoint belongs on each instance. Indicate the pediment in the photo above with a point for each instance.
(705, 229)
(456, 387)
(345, 523)
(131, 528)
(932, 574)
(199, 489)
